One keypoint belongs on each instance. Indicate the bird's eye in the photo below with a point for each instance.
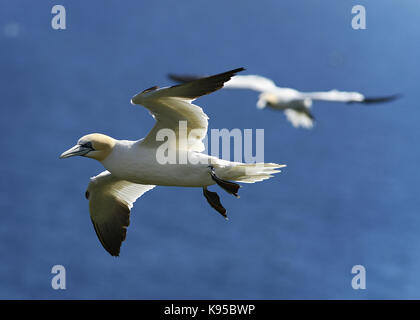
(87, 145)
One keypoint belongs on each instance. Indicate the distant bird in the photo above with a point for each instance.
(295, 104)
(133, 167)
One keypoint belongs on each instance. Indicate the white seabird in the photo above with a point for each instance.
(132, 167)
(295, 104)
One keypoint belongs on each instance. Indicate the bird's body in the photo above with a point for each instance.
(295, 104)
(137, 163)
(170, 155)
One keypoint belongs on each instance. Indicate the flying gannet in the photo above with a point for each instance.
(133, 168)
(295, 104)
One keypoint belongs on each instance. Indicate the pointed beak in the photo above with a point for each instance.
(77, 150)
(135, 100)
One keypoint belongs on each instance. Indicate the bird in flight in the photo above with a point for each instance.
(135, 167)
(295, 104)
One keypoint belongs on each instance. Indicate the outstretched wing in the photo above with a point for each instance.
(334, 95)
(110, 202)
(251, 82)
(171, 106)
(349, 97)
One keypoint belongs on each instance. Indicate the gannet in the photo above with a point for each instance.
(296, 105)
(133, 168)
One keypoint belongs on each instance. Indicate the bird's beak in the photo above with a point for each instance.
(135, 100)
(77, 150)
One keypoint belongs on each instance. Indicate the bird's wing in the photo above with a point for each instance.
(334, 95)
(383, 99)
(110, 201)
(183, 78)
(171, 105)
(252, 82)
(300, 118)
(349, 97)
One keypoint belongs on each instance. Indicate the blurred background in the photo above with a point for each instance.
(348, 196)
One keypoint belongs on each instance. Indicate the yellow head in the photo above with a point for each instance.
(96, 146)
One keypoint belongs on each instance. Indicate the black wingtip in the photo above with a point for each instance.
(384, 99)
(236, 70)
(184, 78)
(206, 85)
(228, 74)
(239, 69)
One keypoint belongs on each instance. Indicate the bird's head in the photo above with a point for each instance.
(96, 146)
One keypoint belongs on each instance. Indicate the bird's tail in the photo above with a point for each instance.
(250, 173)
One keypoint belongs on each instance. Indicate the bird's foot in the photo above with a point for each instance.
(214, 201)
(228, 186)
